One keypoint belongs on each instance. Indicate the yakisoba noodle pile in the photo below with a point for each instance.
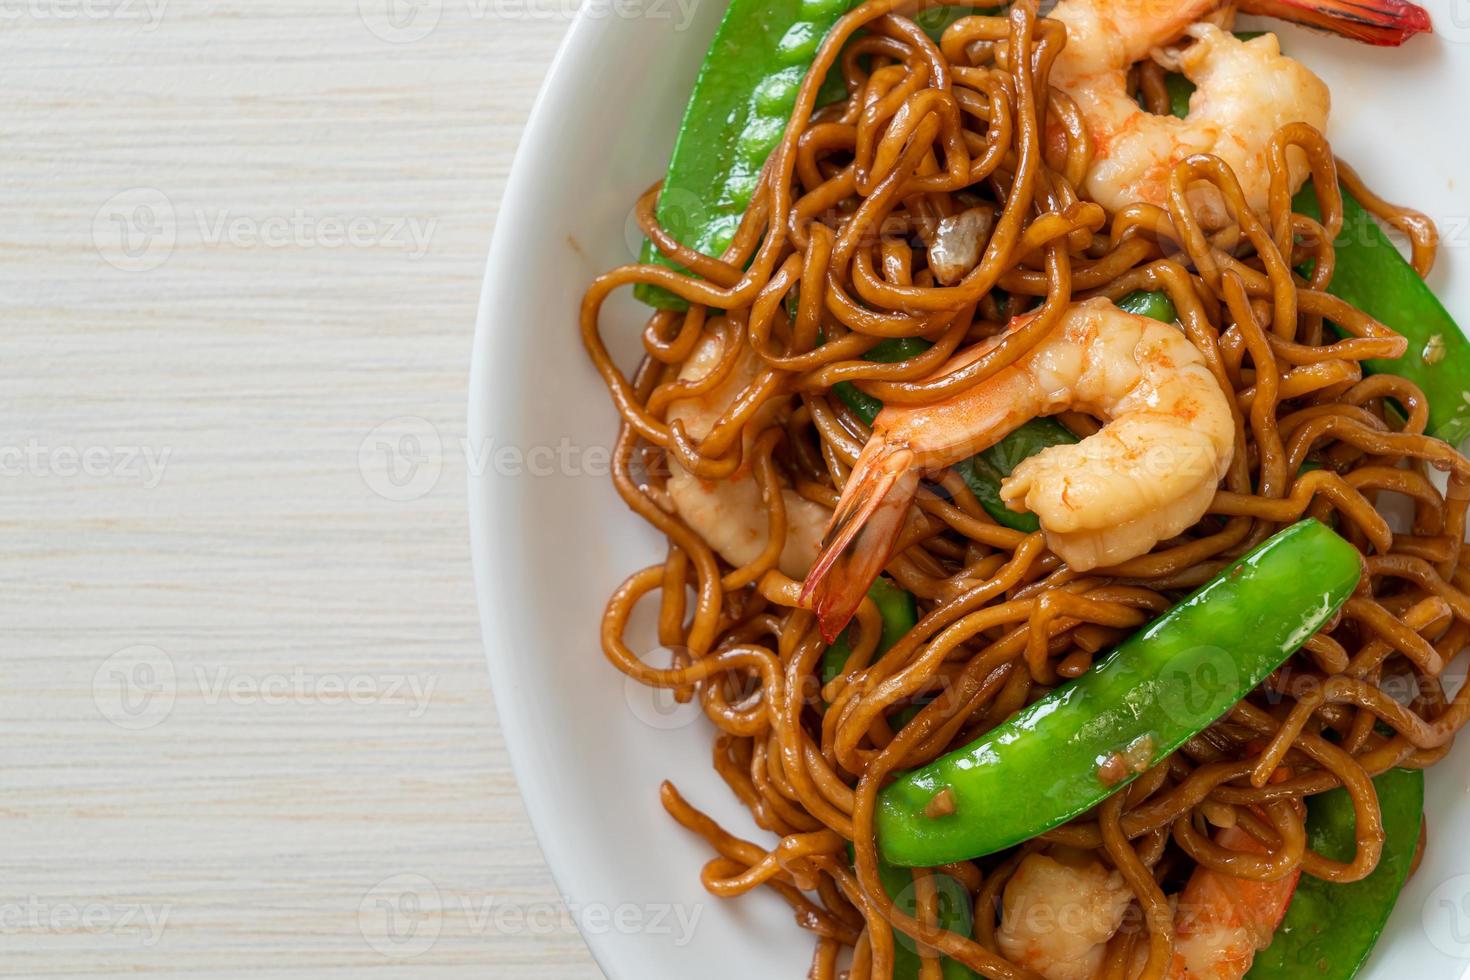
(1001, 619)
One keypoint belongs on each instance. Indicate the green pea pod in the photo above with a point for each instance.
(1179, 89)
(1155, 306)
(1330, 929)
(1372, 276)
(984, 472)
(954, 913)
(863, 405)
(1067, 752)
(736, 116)
(891, 350)
(908, 713)
(739, 111)
(935, 20)
(899, 614)
(888, 351)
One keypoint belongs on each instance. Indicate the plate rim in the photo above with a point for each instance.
(491, 541)
(486, 401)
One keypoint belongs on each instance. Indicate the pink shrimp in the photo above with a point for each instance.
(1060, 910)
(1147, 475)
(1246, 90)
(1222, 922)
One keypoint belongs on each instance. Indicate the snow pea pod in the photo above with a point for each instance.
(889, 351)
(736, 116)
(954, 913)
(984, 472)
(739, 111)
(899, 613)
(863, 405)
(1155, 306)
(1070, 750)
(1372, 276)
(1330, 929)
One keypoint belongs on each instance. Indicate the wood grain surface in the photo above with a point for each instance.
(245, 723)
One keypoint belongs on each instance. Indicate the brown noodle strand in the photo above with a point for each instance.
(830, 259)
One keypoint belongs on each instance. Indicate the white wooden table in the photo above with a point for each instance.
(245, 724)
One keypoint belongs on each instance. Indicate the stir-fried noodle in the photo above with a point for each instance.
(829, 260)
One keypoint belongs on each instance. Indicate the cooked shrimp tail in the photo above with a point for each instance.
(1223, 921)
(908, 443)
(1387, 23)
(1148, 474)
(865, 528)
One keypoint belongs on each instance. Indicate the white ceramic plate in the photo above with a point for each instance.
(551, 539)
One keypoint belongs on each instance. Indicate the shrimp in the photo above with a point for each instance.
(1223, 921)
(1057, 916)
(1148, 474)
(1247, 91)
(729, 514)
